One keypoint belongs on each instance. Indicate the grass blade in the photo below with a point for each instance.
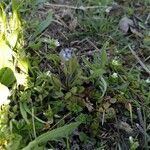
(43, 25)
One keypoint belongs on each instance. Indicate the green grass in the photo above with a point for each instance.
(98, 99)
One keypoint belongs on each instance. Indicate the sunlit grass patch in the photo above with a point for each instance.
(12, 54)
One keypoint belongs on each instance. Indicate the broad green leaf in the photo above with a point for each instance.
(55, 134)
(58, 94)
(43, 25)
(7, 76)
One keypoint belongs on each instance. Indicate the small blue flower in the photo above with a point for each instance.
(66, 54)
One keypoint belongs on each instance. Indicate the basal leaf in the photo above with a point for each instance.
(103, 86)
(24, 113)
(104, 55)
(55, 134)
(29, 112)
(56, 82)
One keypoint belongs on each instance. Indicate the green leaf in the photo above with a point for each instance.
(53, 57)
(103, 86)
(96, 73)
(55, 134)
(58, 94)
(43, 25)
(15, 142)
(68, 95)
(14, 5)
(7, 76)
(56, 82)
(29, 112)
(24, 113)
(104, 55)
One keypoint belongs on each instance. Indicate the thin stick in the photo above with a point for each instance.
(73, 7)
(138, 59)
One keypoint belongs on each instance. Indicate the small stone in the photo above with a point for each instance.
(125, 24)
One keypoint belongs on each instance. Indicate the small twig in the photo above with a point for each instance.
(138, 59)
(73, 7)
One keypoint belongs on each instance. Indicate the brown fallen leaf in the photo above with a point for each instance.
(127, 25)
